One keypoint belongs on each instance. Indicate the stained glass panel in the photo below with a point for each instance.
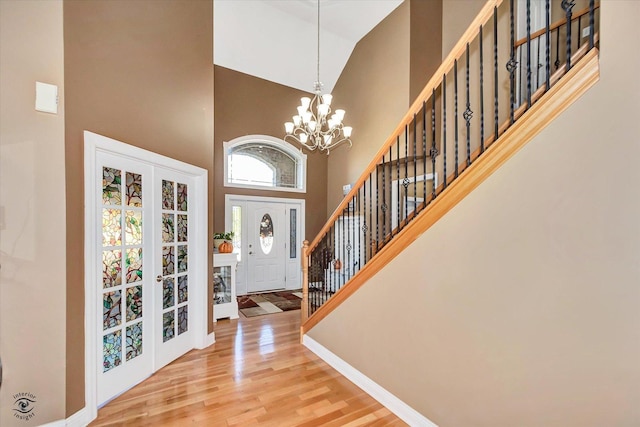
(182, 197)
(134, 303)
(111, 186)
(111, 311)
(111, 227)
(133, 224)
(168, 294)
(293, 233)
(168, 228)
(134, 189)
(167, 194)
(133, 263)
(183, 289)
(168, 329)
(111, 268)
(134, 340)
(183, 259)
(111, 350)
(266, 234)
(183, 319)
(182, 228)
(168, 260)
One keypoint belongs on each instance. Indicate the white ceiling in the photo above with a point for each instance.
(277, 39)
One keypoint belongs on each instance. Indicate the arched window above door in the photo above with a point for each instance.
(264, 162)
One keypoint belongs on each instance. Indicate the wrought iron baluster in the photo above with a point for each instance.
(496, 123)
(390, 205)
(398, 182)
(547, 56)
(364, 217)
(343, 256)
(405, 182)
(528, 53)
(481, 93)
(370, 215)
(444, 129)
(567, 6)
(415, 164)
(512, 64)
(536, 85)
(557, 61)
(424, 152)
(591, 23)
(383, 207)
(455, 115)
(468, 114)
(358, 230)
(520, 84)
(434, 150)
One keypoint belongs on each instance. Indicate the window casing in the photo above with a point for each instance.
(263, 162)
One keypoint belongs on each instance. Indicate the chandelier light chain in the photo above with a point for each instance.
(315, 126)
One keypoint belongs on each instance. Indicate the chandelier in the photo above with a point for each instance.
(315, 126)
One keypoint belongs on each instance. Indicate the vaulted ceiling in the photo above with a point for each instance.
(277, 39)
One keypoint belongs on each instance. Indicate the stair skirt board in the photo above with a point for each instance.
(403, 411)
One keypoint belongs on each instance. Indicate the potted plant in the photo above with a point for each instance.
(219, 238)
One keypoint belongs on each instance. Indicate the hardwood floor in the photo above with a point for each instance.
(257, 373)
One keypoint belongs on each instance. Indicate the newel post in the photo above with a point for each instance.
(305, 281)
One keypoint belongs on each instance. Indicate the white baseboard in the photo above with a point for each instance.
(79, 419)
(405, 412)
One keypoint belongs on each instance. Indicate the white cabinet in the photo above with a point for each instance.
(225, 303)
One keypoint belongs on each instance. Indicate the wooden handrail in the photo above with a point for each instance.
(553, 102)
(458, 50)
(555, 25)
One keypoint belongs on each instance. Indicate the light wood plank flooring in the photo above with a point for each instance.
(257, 373)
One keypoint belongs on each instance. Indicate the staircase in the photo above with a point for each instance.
(489, 97)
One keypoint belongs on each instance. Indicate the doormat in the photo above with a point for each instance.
(271, 302)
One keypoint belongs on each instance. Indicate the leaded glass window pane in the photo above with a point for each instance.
(167, 194)
(111, 350)
(266, 234)
(168, 325)
(134, 340)
(133, 224)
(134, 190)
(111, 227)
(167, 228)
(111, 268)
(111, 186)
(111, 310)
(134, 265)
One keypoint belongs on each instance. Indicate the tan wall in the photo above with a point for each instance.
(247, 105)
(425, 43)
(520, 306)
(374, 91)
(140, 72)
(32, 212)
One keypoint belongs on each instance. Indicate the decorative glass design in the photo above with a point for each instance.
(168, 295)
(182, 197)
(111, 311)
(236, 227)
(133, 263)
(168, 228)
(266, 234)
(183, 319)
(133, 230)
(111, 186)
(167, 194)
(183, 289)
(134, 340)
(111, 268)
(111, 227)
(222, 285)
(168, 260)
(134, 303)
(111, 350)
(183, 259)
(182, 228)
(134, 190)
(168, 329)
(293, 233)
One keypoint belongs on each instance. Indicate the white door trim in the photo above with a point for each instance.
(94, 143)
(228, 198)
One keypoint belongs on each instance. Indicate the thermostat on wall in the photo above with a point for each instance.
(46, 98)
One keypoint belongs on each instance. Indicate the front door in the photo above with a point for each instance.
(266, 246)
(143, 323)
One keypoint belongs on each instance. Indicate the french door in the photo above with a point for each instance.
(143, 239)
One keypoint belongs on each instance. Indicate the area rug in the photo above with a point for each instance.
(270, 302)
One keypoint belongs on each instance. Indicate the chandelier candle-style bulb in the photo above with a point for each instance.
(315, 127)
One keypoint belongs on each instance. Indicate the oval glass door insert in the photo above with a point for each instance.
(266, 234)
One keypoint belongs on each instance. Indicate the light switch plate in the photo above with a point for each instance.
(46, 98)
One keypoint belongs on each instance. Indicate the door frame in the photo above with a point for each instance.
(94, 143)
(242, 265)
